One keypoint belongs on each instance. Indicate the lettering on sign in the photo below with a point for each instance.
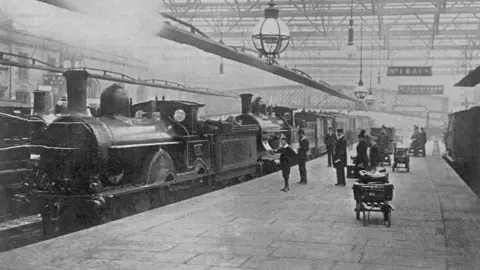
(409, 71)
(420, 89)
(51, 79)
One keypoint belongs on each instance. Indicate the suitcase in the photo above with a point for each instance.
(366, 178)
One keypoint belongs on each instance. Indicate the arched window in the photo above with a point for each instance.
(93, 88)
(141, 93)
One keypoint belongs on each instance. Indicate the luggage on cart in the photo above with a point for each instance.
(379, 176)
(373, 198)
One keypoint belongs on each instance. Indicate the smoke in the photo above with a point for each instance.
(118, 26)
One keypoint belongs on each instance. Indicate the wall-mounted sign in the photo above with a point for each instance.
(399, 108)
(409, 71)
(45, 88)
(53, 79)
(420, 89)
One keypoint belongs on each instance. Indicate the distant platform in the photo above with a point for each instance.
(435, 225)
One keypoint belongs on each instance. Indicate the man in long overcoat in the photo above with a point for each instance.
(330, 140)
(340, 158)
(302, 156)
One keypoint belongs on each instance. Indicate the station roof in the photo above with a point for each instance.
(439, 33)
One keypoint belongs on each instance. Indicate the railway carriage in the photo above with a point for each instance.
(316, 127)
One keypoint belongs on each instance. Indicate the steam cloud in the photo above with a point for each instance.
(120, 26)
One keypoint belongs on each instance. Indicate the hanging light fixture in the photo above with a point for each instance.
(370, 98)
(271, 35)
(221, 41)
(351, 50)
(221, 60)
(360, 91)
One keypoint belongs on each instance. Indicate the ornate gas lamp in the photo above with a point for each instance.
(271, 35)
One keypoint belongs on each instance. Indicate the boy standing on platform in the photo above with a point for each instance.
(286, 154)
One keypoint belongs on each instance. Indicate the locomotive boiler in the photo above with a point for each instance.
(93, 170)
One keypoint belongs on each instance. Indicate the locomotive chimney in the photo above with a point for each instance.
(263, 108)
(39, 102)
(77, 91)
(246, 103)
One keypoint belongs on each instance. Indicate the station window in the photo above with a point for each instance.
(23, 97)
(93, 88)
(141, 94)
(23, 72)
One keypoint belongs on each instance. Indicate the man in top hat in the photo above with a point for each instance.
(374, 154)
(302, 156)
(330, 140)
(383, 144)
(340, 158)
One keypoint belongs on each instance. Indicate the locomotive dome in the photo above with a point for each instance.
(114, 101)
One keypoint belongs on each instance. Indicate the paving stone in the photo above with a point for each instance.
(138, 245)
(219, 260)
(436, 246)
(223, 249)
(137, 237)
(276, 263)
(307, 252)
(136, 255)
(318, 237)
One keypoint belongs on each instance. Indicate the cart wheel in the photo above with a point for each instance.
(365, 221)
(388, 217)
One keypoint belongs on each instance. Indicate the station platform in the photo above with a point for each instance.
(435, 225)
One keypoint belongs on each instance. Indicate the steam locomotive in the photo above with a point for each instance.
(132, 157)
(18, 128)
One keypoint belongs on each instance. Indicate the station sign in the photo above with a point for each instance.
(411, 109)
(410, 71)
(420, 89)
(53, 79)
(44, 88)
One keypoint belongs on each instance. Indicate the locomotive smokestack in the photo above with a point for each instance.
(39, 102)
(263, 108)
(246, 103)
(77, 91)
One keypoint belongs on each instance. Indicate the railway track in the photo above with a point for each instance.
(20, 232)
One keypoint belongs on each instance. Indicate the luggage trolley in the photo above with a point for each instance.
(373, 193)
(401, 156)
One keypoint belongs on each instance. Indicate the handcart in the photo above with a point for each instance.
(401, 156)
(373, 197)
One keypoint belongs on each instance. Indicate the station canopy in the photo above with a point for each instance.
(438, 33)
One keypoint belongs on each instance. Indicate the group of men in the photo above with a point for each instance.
(336, 146)
(419, 139)
(337, 151)
(287, 154)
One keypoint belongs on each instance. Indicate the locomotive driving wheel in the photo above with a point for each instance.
(159, 168)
